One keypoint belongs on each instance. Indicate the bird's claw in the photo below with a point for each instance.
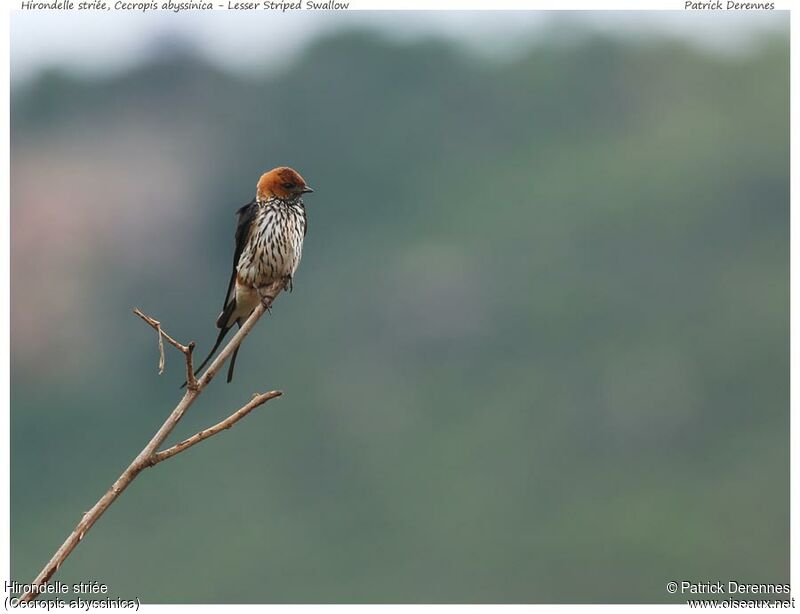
(266, 300)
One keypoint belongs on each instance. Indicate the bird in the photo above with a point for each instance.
(268, 245)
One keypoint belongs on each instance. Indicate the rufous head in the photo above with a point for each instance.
(282, 182)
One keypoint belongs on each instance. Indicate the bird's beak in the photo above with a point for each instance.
(306, 190)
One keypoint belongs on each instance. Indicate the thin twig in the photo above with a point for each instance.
(157, 325)
(161, 358)
(148, 456)
(191, 382)
(186, 349)
(227, 423)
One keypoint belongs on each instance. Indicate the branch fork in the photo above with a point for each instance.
(186, 349)
(151, 455)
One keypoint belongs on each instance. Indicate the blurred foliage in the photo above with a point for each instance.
(537, 349)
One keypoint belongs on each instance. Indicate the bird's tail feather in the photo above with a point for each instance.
(224, 327)
(220, 338)
(233, 362)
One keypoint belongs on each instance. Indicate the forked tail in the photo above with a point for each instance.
(224, 327)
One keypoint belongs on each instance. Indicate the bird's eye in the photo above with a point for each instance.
(288, 185)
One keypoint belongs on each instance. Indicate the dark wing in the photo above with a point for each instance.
(246, 215)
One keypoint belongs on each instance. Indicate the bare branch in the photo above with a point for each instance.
(227, 423)
(149, 456)
(191, 382)
(186, 349)
(157, 325)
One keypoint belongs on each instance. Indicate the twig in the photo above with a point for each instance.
(227, 423)
(186, 349)
(149, 455)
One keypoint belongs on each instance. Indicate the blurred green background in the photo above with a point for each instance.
(537, 349)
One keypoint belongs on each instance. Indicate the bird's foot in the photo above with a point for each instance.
(266, 299)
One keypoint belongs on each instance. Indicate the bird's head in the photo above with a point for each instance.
(282, 182)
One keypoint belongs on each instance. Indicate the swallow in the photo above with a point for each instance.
(269, 238)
